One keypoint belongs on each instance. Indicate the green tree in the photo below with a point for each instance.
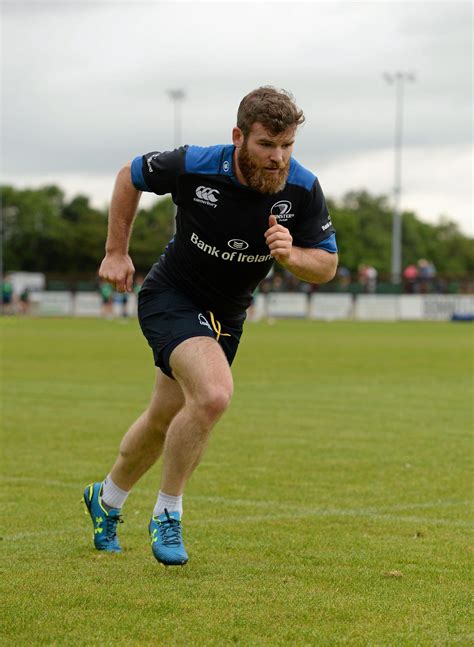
(33, 230)
(153, 229)
(44, 232)
(86, 229)
(364, 235)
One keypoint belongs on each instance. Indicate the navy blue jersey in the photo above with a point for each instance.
(219, 255)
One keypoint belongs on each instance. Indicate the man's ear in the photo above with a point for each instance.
(237, 137)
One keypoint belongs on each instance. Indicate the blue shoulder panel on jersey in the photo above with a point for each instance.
(328, 244)
(137, 174)
(210, 160)
(300, 176)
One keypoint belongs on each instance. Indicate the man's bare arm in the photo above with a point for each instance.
(312, 265)
(117, 267)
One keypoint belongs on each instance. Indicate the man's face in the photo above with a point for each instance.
(264, 158)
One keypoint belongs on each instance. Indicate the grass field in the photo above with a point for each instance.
(332, 506)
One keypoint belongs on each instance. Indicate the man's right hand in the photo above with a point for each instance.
(118, 270)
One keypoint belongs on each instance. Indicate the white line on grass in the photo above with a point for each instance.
(328, 512)
(372, 510)
(439, 503)
(282, 512)
(290, 516)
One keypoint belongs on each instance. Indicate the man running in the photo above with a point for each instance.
(240, 207)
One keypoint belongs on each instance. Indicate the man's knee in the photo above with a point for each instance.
(211, 403)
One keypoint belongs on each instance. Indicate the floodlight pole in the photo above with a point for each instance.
(398, 78)
(177, 96)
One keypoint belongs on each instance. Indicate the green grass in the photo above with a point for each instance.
(345, 456)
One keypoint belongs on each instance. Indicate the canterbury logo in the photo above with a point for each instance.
(205, 193)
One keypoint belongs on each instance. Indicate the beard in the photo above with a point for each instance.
(259, 178)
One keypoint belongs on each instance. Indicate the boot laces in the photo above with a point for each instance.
(111, 526)
(170, 531)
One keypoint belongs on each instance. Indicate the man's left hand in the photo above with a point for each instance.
(279, 240)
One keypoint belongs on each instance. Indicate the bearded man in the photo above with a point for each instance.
(240, 208)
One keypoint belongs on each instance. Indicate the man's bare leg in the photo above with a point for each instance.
(180, 417)
(203, 373)
(201, 369)
(143, 443)
(139, 450)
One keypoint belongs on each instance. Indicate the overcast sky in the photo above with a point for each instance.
(84, 89)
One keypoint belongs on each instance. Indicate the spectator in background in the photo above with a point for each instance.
(344, 276)
(7, 295)
(426, 275)
(137, 285)
(372, 275)
(410, 276)
(266, 285)
(367, 277)
(122, 299)
(362, 276)
(24, 301)
(107, 295)
(290, 283)
(277, 283)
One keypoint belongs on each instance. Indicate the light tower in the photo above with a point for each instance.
(398, 79)
(177, 96)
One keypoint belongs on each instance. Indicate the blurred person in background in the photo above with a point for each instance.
(122, 300)
(344, 276)
(106, 292)
(362, 276)
(24, 303)
(278, 284)
(371, 277)
(367, 277)
(8, 295)
(137, 283)
(240, 207)
(426, 275)
(410, 276)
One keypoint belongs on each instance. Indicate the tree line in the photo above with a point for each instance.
(42, 231)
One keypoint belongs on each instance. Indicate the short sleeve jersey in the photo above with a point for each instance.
(219, 255)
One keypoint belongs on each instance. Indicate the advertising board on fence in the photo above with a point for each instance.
(56, 304)
(330, 306)
(376, 307)
(319, 306)
(287, 304)
(442, 307)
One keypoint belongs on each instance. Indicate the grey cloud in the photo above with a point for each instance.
(84, 86)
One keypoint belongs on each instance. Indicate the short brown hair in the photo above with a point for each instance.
(275, 109)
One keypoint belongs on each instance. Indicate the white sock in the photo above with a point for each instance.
(171, 503)
(112, 495)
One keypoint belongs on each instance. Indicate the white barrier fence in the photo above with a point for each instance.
(326, 307)
(80, 304)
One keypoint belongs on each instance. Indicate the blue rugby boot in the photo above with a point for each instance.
(104, 521)
(166, 539)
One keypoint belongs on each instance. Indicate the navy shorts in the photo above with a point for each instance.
(167, 317)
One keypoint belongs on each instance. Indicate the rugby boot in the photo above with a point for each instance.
(104, 521)
(166, 539)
